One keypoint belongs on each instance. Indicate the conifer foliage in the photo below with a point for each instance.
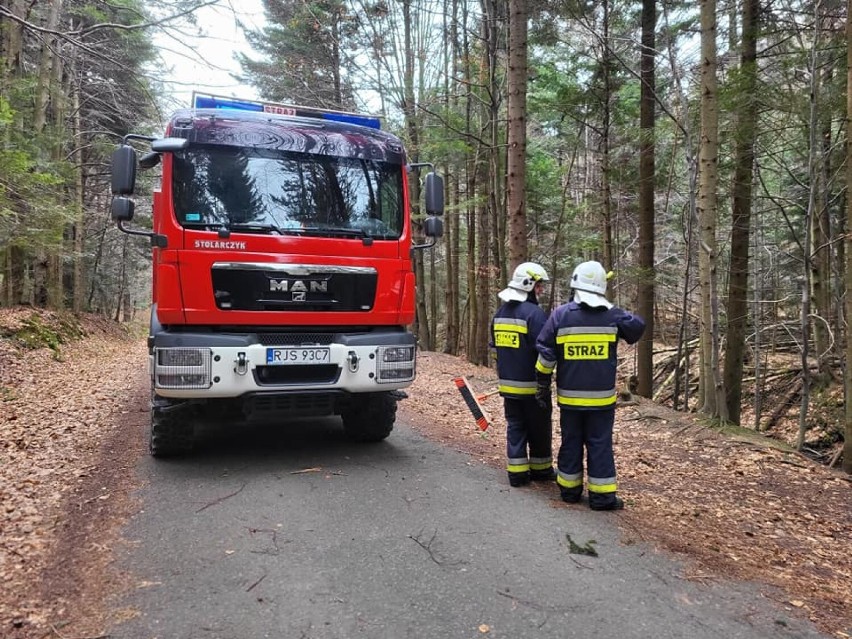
(72, 82)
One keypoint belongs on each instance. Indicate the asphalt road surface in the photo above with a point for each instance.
(291, 531)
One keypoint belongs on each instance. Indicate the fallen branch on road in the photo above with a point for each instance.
(221, 499)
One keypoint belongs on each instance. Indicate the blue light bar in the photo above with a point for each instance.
(362, 120)
(218, 102)
(215, 102)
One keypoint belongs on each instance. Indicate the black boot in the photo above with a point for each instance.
(546, 474)
(519, 479)
(571, 495)
(612, 503)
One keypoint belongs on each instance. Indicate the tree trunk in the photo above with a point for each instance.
(472, 260)
(45, 68)
(13, 42)
(814, 171)
(451, 238)
(451, 244)
(713, 402)
(412, 129)
(15, 273)
(847, 446)
(606, 188)
(821, 241)
(470, 192)
(517, 134)
(745, 137)
(122, 280)
(645, 283)
(79, 228)
(487, 202)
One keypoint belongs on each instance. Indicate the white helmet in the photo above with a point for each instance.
(523, 280)
(589, 284)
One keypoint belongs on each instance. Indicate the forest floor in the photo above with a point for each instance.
(727, 503)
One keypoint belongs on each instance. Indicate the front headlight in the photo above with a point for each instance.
(396, 364)
(182, 368)
(397, 354)
(180, 356)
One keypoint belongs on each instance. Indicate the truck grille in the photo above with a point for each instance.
(295, 339)
(308, 374)
(259, 407)
(293, 287)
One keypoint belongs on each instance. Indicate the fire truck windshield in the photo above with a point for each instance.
(262, 191)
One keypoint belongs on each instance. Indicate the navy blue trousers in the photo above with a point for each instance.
(589, 431)
(528, 435)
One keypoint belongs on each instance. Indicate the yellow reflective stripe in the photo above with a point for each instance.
(541, 466)
(543, 368)
(520, 383)
(511, 328)
(568, 483)
(585, 401)
(585, 337)
(516, 390)
(602, 488)
(518, 468)
(587, 330)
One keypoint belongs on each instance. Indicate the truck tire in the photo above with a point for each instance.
(172, 428)
(370, 417)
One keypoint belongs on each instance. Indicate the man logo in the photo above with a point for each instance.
(301, 287)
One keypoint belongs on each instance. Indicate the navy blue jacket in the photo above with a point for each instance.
(514, 330)
(580, 342)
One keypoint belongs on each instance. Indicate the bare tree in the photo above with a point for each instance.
(847, 446)
(517, 133)
(713, 401)
(645, 285)
(745, 137)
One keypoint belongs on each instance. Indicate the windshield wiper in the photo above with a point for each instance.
(251, 227)
(335, 232)
(225, 228)
(199, 225)
(365, 237)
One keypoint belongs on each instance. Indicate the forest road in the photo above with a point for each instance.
(288, 530)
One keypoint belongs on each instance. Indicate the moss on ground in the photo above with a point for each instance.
(35, 333)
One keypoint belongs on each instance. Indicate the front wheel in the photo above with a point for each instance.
(369, 416)
(172, 427)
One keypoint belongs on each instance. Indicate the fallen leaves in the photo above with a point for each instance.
(54, 417)
(740, 507)
(733, 508)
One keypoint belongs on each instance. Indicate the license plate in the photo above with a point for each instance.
(275, 356)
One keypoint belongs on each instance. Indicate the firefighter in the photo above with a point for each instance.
(514, 330)
(579, 340)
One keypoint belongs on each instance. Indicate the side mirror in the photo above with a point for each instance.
(434, 194)
(433, 227)
(122, 209)
(123, 170)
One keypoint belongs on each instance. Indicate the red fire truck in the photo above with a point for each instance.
(282, 266)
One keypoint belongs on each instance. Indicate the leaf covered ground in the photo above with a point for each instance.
(730, 505)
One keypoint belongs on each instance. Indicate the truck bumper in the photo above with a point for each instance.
(198, 365)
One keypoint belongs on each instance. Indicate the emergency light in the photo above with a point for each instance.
(208, 101)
